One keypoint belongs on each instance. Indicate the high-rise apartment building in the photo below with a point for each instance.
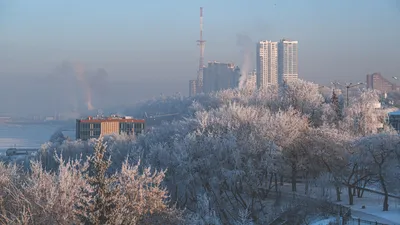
(287, 60)
(192, 87)
(220, 76)
(251, 80)
(267, 63)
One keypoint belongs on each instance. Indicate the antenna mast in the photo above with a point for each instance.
(201, 44)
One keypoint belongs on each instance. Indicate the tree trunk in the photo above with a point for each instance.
(363, 189)
(306, 184)
(385, 191)
(386, 202)
(276, 182)
(351, 198)
(338, 193)
(294, 177)
(281, 180)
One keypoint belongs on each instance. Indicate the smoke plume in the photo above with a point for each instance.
(80, 75)
(246, 50)
(71, 79)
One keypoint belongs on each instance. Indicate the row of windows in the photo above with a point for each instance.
(90, 133)
(90, 125)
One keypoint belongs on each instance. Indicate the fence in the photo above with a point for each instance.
(325, 206)
(304, 205)
(358, 221)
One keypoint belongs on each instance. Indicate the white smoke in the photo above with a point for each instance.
(247, 53)
(80, 71)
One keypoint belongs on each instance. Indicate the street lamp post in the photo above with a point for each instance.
(396, 86)
(348, 86)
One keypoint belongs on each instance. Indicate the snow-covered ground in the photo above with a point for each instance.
(324, 221)
(373, 204)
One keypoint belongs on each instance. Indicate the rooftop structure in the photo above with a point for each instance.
(110, 118)
(94, 127)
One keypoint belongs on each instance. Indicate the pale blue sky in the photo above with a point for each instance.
(154, 41)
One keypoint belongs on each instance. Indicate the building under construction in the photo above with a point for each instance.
(94, 127)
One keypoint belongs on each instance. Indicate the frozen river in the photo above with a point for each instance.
(28, 136)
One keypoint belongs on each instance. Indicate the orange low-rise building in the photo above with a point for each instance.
(94, 127)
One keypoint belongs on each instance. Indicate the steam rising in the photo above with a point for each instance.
(80, 71)
(246, 50)
(75, 78)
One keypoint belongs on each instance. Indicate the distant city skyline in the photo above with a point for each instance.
(158, 49)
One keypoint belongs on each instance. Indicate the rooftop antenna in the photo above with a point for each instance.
(201, 43)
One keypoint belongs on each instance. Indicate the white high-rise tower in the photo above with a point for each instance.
(288, 60)
(267, 63)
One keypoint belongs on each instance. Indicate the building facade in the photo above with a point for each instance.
(220, 76)
(287, 60)
(394, 120)
(267, 63)
(95, 127)
(192, 87)
(251, 80)
(377, 82)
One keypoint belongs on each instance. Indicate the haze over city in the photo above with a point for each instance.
(136, 50)
(200, 112)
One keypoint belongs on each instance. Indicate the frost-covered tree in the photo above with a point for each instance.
(204, 215)
(286, 129)
(379, 152)
(335, 104)
(330, 151)
(99, 201)
(119, 147)
(41, 197)
(134, 196)
(364, 116)
(304, 97)
(223, 154)
(222, 158)
(58, 137)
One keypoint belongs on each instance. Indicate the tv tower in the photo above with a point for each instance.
(201, 43)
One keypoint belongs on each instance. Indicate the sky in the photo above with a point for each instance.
(149, 47)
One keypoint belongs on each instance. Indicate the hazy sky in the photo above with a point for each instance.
(147, 43)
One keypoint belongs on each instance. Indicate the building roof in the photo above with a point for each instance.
(112, 118)
(395, 113)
